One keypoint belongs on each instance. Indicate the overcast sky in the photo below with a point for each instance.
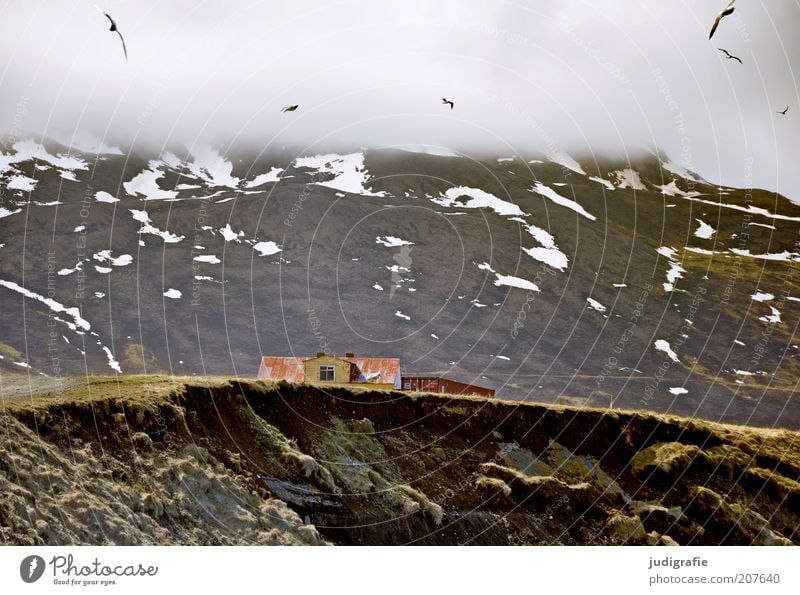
(601, 76)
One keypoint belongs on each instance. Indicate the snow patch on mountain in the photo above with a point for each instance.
(672, 189)
(664, 346)
(273, 175)
(65, 271)
(704, 251)
(74, 312)
(148, 227)
(762, 225)
(760, 296)
(112, 363)
(392, 242)
(678, 170)
(604, 182)
(548, 252)
(267, 248)
(508, 280)
(4, 212)
(350, 174)
(629, 178)
(566, 160)
(595, 305)
(784, 256)
(477, 199)
(21, 183)
(209, 165)
(774, 317)
(749, 209)
(229, 234)
(119, 261)
(209, 258)
(102, 196)
(704, 231)
(552, 257)
(28, 150)
(551, 194)
(145, 183)
(675, 271)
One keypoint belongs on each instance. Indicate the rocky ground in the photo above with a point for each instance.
(165, 460)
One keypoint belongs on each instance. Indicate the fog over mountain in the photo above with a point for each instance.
(586, 77)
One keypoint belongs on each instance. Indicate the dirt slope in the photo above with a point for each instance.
(157, 460)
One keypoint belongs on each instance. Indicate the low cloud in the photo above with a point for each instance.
(605, 77)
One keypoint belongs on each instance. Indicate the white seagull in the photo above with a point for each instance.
(114, 28)
(728, 11)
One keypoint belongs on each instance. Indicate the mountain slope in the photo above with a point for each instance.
(601, 281)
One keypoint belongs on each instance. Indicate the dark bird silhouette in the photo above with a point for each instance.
(290, 108)
(730, 56)
(446, 102)
(728, 11)
(783, 113)
(115, 29)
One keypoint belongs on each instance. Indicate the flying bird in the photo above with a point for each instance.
(783, 113)
(728, 11)
(730, 56)
(115, 29)
(290, 108)
(446, 102)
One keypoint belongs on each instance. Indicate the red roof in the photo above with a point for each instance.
(379, 370)
(281, 368)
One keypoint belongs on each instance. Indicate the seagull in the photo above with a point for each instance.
(290, 108)
(783, 113)
(446, 102)
(114, 28)
(730, 56)
(728, 11)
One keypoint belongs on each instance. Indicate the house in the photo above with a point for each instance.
(329, 369)
(378, 372)
(437, 384)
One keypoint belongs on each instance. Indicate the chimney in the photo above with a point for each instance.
(349, 354)
(320, 354)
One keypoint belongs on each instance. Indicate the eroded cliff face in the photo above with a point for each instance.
(153, 460)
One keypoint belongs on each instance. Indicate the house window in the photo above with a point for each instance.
(407, 385)
(326, 374)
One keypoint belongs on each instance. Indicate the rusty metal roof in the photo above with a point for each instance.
(378, 370)
(281, 368)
